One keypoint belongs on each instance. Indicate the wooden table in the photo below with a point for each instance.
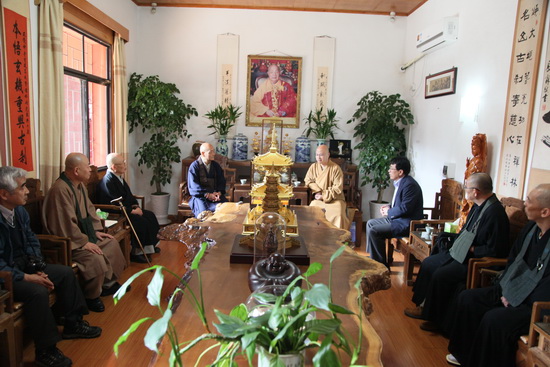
(225, 285)
(418, 247)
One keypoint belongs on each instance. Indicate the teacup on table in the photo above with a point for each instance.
(243, 181)
(296, 183)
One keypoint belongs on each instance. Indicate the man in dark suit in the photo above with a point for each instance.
(145, 223)
(407, 204)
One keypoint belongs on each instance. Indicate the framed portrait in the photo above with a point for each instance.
(274, 88)
(340, 149)
(441, 84)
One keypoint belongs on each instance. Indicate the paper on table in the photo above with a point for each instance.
(109, 223)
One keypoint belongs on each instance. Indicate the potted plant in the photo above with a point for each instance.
(154, 107)
(379, 118)
(223, 119)
(289, 325)
(321, 124)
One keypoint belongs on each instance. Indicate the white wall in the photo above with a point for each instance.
(179, 44)
(482, 54)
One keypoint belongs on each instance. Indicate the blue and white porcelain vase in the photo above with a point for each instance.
(303, 150)
(221, 147)
(321, 142)
(240, 147)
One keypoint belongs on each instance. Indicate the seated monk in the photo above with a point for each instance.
(487, 322)
(69, 213)
(145, 223)
(206, 181)
(325, 179)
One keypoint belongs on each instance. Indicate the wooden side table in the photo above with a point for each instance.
(6, 326)
(418, 247)
(539, 355)
(242, 193)
(300, 195)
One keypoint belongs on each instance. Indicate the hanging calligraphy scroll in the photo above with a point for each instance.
(18, 90)
(540, 164)
(228, 58)
(3, 130)
(526, 51)
(323, 71)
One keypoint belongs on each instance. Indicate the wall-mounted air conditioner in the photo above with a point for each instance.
(439, 34)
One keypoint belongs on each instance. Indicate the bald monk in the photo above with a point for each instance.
(325, 179)
(69, 213)
(206, 181)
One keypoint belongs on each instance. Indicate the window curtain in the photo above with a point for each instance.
(120, 98)
(51, 99)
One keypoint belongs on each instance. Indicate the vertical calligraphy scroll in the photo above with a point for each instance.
(228, 59)
(3, 130)
(521, 96)
(540, 164)
(323, 71)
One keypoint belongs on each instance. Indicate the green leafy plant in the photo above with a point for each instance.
(223, 119)
(320, 124)
(381, 138)
(287, 327)
(154, 107)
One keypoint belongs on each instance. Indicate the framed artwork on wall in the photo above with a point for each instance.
(340, 149)
(441, 84)
(274, 89)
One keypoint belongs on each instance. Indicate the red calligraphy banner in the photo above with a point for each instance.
(18, 92)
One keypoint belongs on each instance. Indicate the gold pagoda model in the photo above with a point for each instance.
(271, 195)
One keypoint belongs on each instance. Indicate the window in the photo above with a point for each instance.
(87, 84)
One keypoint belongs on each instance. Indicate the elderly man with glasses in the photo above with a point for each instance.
(443, 274)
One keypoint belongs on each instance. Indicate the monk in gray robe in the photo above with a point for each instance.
(69, 213)
(325, 179)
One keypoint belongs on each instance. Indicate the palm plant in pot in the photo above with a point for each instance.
(155, 109)
(321, 124)
(379, 118)
(282, 323)
(223, 119)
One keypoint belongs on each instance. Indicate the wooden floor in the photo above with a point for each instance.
(404, 344)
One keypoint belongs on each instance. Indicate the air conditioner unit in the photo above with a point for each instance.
(439, 34)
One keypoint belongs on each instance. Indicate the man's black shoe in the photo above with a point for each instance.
(138, 259)
(95, 305)
(157, 250)
(114, 288)
(52, 357)
(81, 330)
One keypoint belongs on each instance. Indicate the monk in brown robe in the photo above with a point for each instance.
(69, 213)
(325, 179)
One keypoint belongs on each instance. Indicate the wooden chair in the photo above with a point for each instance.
(230, 174)
(537, 340)
(121, 229)
(446, 209)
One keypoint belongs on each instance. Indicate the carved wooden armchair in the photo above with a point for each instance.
(446, 209)
(230, 174)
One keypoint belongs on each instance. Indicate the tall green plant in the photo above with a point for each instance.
(321, 124)
(154, 108)
(223, 118)
(381, 138)
(284, 328)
